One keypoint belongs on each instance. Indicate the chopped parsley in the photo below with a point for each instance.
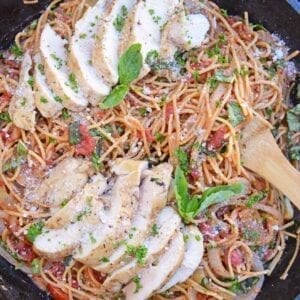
(82, 35)
(250, 235)
(154, 230)
(104, 259)
(72, 83)
(43, 99)
(224, 12)
(41, 68)
(5, 117)
(93, 240)
(58, 99)
(137, 280)
(59, 61)
(36, 266)
(65, 114)
(143, 111)
(195, 75)
(97, 164)
(253, 199)
(64, 203)
(34, 230)
(74, 133)
(120, 19)
(159, 137)
(139, 253)
(30, 81)
(16, 51)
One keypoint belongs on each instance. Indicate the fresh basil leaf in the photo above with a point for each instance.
(5, 117)
(294, 152)
(293, 118)
(21, 149)
(74, 133)
(253, 199)
(219, 194)
(34, 230)
(115, 97)
(36, 266)
(183, 160)
(130, 64)
(181, 191)
(21, 153)
(235, 114)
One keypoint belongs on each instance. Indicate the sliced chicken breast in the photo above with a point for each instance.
(46, 101)
(58, 243)
(63, 82)
(68, 213)
(193, 254)
(117, 221)
(151, 278)
(168, 223)
(65, 179)
(153, 197)
(21, 107)
(105, 54)
(144, 26)
(183, 32)
(81, 48)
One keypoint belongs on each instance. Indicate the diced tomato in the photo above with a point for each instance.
(97, 113)
(244, 32)
(195, 174)
(202, 297)
(222, 211)
(57, 293)
(5, 97)
(87, 143)
(74, 283)
(169, 111)
(216, 140)
(99, 276)
(24, 249)
(207, 231)
(57, 268)
(236, 257)
(201, 65)
(259, 185)
(149, 136)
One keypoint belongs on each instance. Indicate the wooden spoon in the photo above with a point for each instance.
(261, 154)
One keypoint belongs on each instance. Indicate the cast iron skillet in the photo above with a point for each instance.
(276, 15)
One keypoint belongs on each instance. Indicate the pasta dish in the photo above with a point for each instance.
(122, 173)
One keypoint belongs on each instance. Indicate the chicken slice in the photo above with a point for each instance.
(81, 48)
(21, 107)
(151, 278)
(153, 197)
(68, 212)
(105, 55)
(144, 26)
(63, 82)
(58, 243)
(167, 224)
(118, 218)
(46, 102)
(65, 179)
(183, 32)
(192, 257)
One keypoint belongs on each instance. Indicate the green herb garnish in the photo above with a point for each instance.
(139, 253)
(253, 199)
(235, 114)
(34, 230)
(5, 117)
(137, 280)
(120, 19)
(74, 133)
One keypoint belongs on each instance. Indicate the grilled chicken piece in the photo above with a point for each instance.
(58, 243)
(105, 54)
(118, 218)
(144, 26)
(46, 102)
(192, 257)
(66, 179)
(92, 190)
(154, 276)
(167, 224)
(63, 82)
(153, 197)
(81, 49)
(183, 32)
(21, 108)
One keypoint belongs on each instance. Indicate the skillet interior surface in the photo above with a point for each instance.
(277, 16)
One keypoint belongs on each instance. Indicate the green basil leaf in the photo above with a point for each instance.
(181, 191)
(183, 160)
(34, 230)
(293, 118)
(115, 97)
(5, 117)
(219, 194)
(130, 64)
(21, 149)
(235, 114)
(74, 133)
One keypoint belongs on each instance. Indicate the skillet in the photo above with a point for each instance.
(279, 17)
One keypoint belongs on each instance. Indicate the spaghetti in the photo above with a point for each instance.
(234, 76)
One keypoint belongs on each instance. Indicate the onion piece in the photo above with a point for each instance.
(215, 261)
